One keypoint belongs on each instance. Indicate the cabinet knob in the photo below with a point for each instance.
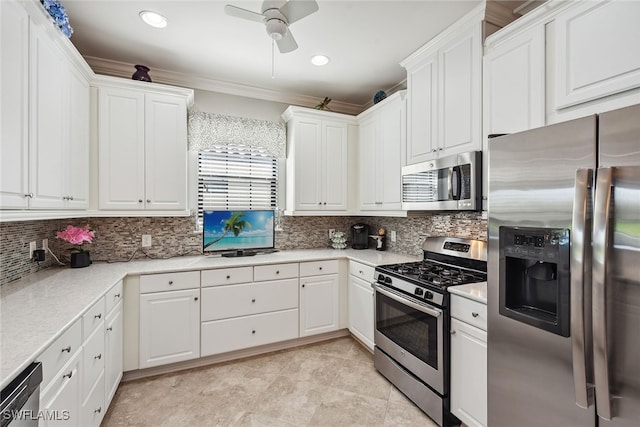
(69, 375)
(148, 201)
(453, 332)
(67, 349)
(277, 271)
(30, 195)
(97, 411)
(324, 203)
(360, 271)
(109, 329)
(303, 285)
(253, 332)
(171, 282)
(139, 200)
(70, 197)
(98, 316)
(434, 150)
(439, 148)
(98, 357)
(319, 203)
(228, 277)
(474, 314)
(195, 298)
(253, 300)
(116, 296)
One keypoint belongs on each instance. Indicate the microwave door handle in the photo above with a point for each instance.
(601, 252)
(456, 185)
(579, 282)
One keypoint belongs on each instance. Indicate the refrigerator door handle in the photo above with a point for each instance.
(579, 263)
(601, 249)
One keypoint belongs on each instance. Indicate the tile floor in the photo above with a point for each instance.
(332, 383)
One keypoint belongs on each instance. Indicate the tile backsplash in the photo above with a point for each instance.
(118, 239)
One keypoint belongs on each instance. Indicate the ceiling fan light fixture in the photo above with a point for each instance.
(276, 29)
(153, 19)
(319, 60)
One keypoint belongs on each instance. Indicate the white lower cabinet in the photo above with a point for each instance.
(319, 299)
(468, 361)
(113, 352)
(361, 303)
(61, 398)
(93, 407)
(169, 327)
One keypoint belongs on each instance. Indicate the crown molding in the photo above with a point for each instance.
(122, 69)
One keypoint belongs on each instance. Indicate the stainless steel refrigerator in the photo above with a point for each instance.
(564, 274)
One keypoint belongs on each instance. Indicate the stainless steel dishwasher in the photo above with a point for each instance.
(20, 400)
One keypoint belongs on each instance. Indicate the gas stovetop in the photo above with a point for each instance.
(447, 262)
(433, 274)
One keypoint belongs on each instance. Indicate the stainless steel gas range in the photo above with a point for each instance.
(412, 320)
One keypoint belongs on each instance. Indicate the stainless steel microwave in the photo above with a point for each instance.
(450, 183)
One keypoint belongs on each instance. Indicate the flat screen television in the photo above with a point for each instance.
(238, 232)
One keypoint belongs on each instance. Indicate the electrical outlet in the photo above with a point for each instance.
(394, 236)
(45, 244)
(331, 231)
(32, 247)
(146, 240)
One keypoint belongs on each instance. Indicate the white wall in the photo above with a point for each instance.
(239, 106)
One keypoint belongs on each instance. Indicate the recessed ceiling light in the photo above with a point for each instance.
(319, 60)
(153, 18)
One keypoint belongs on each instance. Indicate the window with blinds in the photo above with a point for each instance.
(235, 177)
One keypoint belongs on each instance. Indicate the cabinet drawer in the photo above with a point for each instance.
(92, 318)
(94, 407)
(276, 271)
(114, 296)
(227, 276)
(362, 271)
(60, 352)
(169, 281)
(317, 268)
(222, 302)
(92, 359)
(225, 335)
(469, 311)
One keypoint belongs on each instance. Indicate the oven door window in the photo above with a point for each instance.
(411, 329)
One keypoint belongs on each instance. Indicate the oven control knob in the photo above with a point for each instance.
(428, 295)
(418, 292)
(387, 280)
(380, 278)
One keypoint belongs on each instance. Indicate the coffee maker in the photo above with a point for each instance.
(359, 236)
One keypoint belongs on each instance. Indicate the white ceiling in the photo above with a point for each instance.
(365, 40)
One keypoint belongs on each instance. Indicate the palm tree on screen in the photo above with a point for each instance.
(235, 224)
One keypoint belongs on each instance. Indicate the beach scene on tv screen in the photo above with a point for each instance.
(226, 230)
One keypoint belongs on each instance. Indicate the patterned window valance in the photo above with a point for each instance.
(210, 129)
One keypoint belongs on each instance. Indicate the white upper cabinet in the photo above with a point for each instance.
(319, 145)
(597, 51)
(444, 83)
(382, 134)
(45, 115)
(142, 145)
(514, 83)
(14, 86)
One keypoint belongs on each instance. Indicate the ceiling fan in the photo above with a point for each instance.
(277, 15)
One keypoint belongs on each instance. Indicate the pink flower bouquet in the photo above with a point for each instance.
(77, 236)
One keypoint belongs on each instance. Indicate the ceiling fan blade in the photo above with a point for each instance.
(295, 10)
(243, 13)
(287, 43)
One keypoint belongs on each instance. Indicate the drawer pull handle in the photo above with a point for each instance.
(110, 328)
(453, 332)
(98, 357)
(474, 314)
(195, 298)
(277, 271)
(171, 282)
(253, 300)
(98, 316)
(228, 277)
(116, 296)
(148, 200)
(303, 285)
(97, 411)
(253, 332)
(361, 272)
(69, 375)
(320, 268)
(139, 200)
(67, 349)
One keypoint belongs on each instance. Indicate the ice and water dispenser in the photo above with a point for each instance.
(534, 277)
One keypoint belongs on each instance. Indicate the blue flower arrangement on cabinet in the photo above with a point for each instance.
(59, 15)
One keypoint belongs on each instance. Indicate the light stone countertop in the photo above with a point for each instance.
(474, 291)
(34, 311)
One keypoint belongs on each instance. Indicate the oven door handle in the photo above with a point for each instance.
(434, 312)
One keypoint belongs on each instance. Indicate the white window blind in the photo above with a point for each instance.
(236, 177)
